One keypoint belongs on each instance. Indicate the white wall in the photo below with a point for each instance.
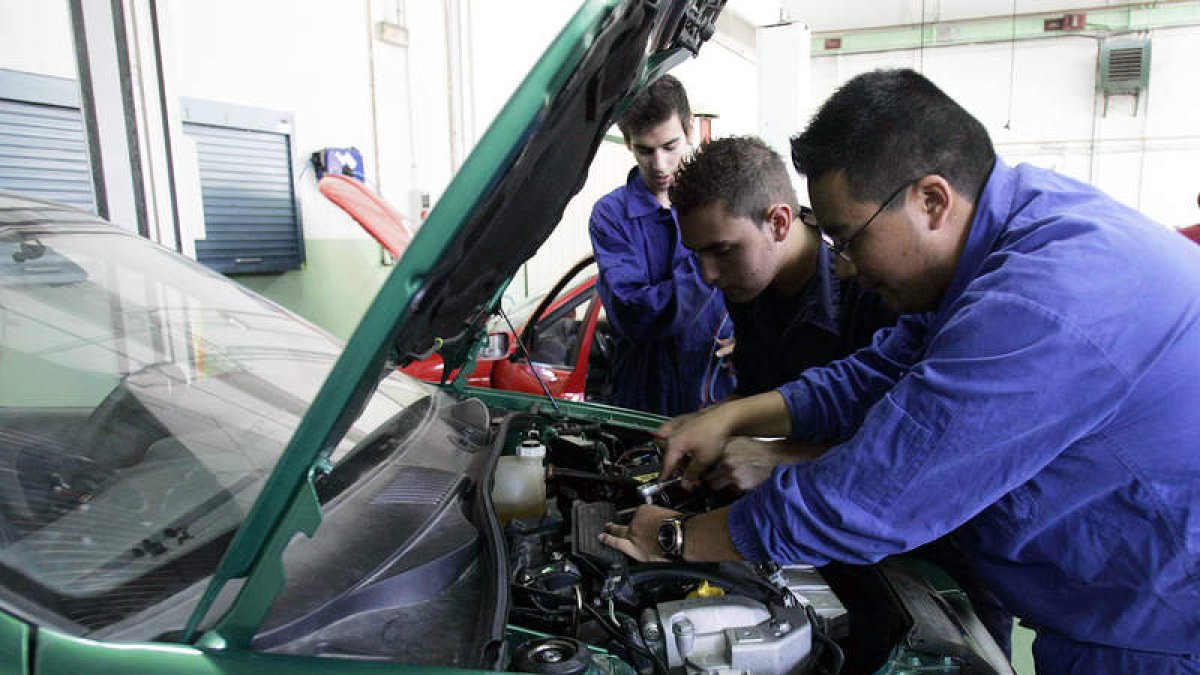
(506, 39)
(35, 37)
(319, 62)
(397, 170)
(720, 81)
(306, 57)
(313, 59)
(1146, 160)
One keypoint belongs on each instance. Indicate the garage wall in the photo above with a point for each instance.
(1144, 156)
(721, 81)
(39, 41)
(414, 108)
(311, 60)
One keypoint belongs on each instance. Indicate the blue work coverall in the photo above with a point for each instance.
(1044, 405)
(779, 337)
(664, 317)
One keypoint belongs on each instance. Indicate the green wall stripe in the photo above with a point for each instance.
(1099, 22)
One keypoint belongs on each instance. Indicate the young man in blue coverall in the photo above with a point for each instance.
(664, 317)
(1031, 397)
(739, 213)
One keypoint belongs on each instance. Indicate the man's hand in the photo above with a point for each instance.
(639, 539)
(699, 437)
(676, 423)
(707, 536)
(747, 462)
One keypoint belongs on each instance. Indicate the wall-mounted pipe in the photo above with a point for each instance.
(1099, 21)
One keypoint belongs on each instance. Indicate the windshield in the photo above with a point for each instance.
(143, 402)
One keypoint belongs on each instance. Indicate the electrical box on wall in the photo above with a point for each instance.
(1124, 65)
(1076, 21)
(392, 33)
(1124, 69)
(419, 205)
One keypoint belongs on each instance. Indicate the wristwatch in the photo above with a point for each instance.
(670, 536)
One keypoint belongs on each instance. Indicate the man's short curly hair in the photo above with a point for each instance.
(742, 171)
(655, 105)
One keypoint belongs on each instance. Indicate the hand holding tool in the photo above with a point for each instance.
(650, 489)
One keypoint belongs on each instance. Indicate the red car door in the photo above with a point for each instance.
(560, 344)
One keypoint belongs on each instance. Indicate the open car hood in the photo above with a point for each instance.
(511, 193)
(504, 202)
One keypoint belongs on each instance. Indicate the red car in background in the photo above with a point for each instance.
(565, 334)
(568, 339)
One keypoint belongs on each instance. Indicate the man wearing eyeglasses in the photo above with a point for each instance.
(738, 212)
(1030, 395)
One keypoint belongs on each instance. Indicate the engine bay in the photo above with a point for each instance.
(577, 606)
(656, 618)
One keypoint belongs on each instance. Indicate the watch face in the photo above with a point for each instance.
(667, 537)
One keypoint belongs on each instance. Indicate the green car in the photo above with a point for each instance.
(194, 480)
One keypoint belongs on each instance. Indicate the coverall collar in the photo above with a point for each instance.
(988, 223)
(821, 295)
(641, 201)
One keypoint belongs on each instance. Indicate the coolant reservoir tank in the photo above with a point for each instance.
(519, 490)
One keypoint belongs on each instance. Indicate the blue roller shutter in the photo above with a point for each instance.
(43, 144)
(251, 219)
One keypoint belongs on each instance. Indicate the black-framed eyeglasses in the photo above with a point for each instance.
(839, 248)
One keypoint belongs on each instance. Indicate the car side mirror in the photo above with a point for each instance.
(496, 347)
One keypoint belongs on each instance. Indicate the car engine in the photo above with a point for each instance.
(568, 590)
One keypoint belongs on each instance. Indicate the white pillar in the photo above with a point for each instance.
(122, 99)
(784, 89)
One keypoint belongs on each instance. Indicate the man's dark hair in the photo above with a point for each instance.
(655, 105)
(741, 171)
(889, 126)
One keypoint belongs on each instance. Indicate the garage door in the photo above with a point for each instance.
(43, 145)
(251, 219)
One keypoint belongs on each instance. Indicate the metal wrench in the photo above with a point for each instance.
(650, 489)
